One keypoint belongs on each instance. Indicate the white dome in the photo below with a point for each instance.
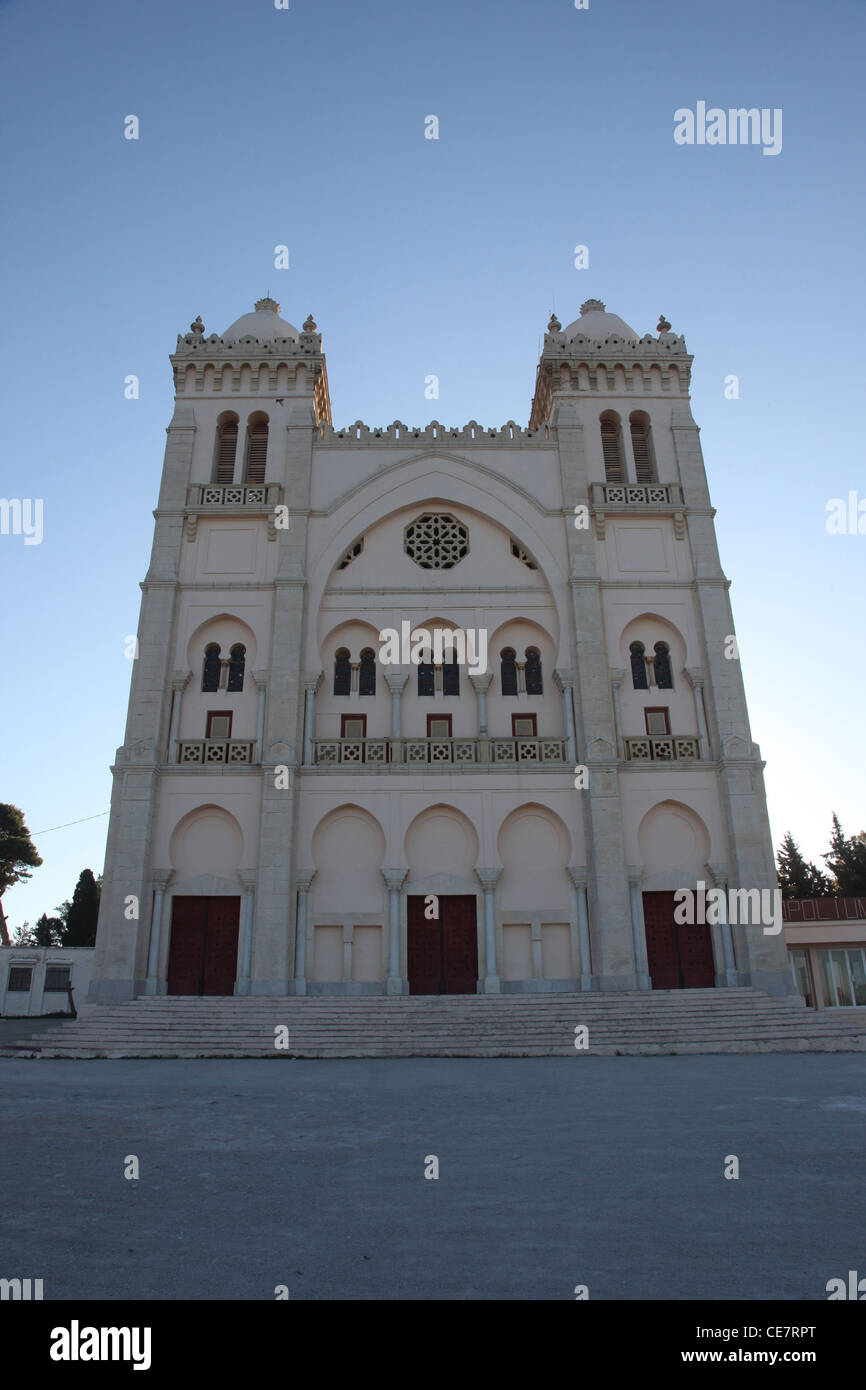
(264, 324)
(598, 325)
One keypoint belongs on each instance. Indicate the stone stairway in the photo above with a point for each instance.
(539, 1025)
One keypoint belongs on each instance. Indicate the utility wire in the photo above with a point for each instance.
(68, 823)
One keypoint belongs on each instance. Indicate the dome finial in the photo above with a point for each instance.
(197, 326)
(554, 326)
(309, 324)
(267, 304)
(663, 326)
(592, 306)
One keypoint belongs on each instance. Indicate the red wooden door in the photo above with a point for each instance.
(443, 951)
(679, 956)
(203, 951)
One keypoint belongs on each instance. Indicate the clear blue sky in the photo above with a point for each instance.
(305, 127)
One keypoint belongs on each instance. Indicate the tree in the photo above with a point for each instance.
(17, 856)
(79, 916)
(48, 931)
(799, 877)
(846, 861)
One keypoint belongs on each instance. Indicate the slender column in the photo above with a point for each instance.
(394, 879)
(481, 685)
(537, 959)
(696, 681)
(160, 880)
(616, 680)
(179, 682)
(303, 887)
(488, 878)
(565, 682)
(396, 679)
(311, 685)
(261, 680)
(580, 926)
(242, 985)
(729, 976)
(638, 929)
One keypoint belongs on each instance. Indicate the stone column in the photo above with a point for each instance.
(728, 976)
(488, 878)
(616, 680)
(565, 683)
(311, 685)
(261, 680)
(537, 956)
(179, 682)
(394, 880)
(160, 880)
(635, 877)
(481, 685)
(303, 886)
(696, 681)
(579, 927)
(396, 682)
(242, 985)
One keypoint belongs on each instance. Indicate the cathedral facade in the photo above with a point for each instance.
(433, 710)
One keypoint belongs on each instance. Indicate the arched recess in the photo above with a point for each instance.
(677, 698)
(441, 848)
(674, 845)
(348, 849)
(226, 631)
(535, 848)
(206, 843)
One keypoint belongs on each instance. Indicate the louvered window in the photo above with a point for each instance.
(532, 672)
(640, 442)
(257, 452)
(662, 666)
(451, 676)
(367, 673)
(227, 444)
(210, 678)
(342, 672)
(638, 667)
(508, 671)
(611, 445)
(236, 668)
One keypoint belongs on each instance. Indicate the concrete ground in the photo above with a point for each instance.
(553, 1172)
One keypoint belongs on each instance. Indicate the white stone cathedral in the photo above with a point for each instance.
(300, 807)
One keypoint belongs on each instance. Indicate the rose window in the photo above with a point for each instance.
(436, 541)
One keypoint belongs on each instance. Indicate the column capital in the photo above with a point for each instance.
(180, 679)
(564, 679)
(719, 873)
(261, 679)
(617, 675)
(248, 877)
(396, 677)
(697, 677)
(488, 878)
(578, 875)
(160, 878)
(635, 873)
(394, 878)
(312, 680)
(304, 883)
(482, 683)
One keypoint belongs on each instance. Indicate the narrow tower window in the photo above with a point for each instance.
(210, 676)
(426, 677)
(367, 673)
(237, 660)
(642, 449)
(662, 666)
(257, 450)
(533, 672)
(451, 675)
(226, 448)
(342, 672)
(611, 446)
(508, 671)
(638, 666)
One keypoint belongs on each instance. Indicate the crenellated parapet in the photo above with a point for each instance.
(508, 435)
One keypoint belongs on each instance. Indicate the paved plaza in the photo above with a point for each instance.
(553, 1172)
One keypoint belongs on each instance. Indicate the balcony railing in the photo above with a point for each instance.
(210, 751)
(439, 751)
(261, 495)
(662, 748)
(640, 494)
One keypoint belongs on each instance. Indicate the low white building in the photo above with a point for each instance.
(34, 979)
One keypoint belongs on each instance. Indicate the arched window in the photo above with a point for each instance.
(226, 448)
(210, 676)
(426, 677)
(237, 658)
(638, 666)
(257, 449)
(342, 672)
(508, 671)
(451, 674)
(611, 447)
(642, 448)
(533, 672)
(367, 673)
(662, 666)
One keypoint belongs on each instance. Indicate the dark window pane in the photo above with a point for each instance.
(367, 673)
(662, 666)
(210, 679)
(533, 674)
(451, 677)
(508, 674)
(426, 680)
(638, 667)
(342, 673)
(236, 668)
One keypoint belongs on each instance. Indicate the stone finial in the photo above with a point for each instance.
(309, 324)
(197, 326)
(554, 326)
(592, 306)
(663, 326)
(267, 304)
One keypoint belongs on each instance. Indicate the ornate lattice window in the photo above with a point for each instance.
(367, 672)
(508, 671)
(210, 676)
(638, 666)
(523, 555)
(237, 661)
(533, 672)
(342, 672)
(662, 666)
(436, 541)
(351, 553)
